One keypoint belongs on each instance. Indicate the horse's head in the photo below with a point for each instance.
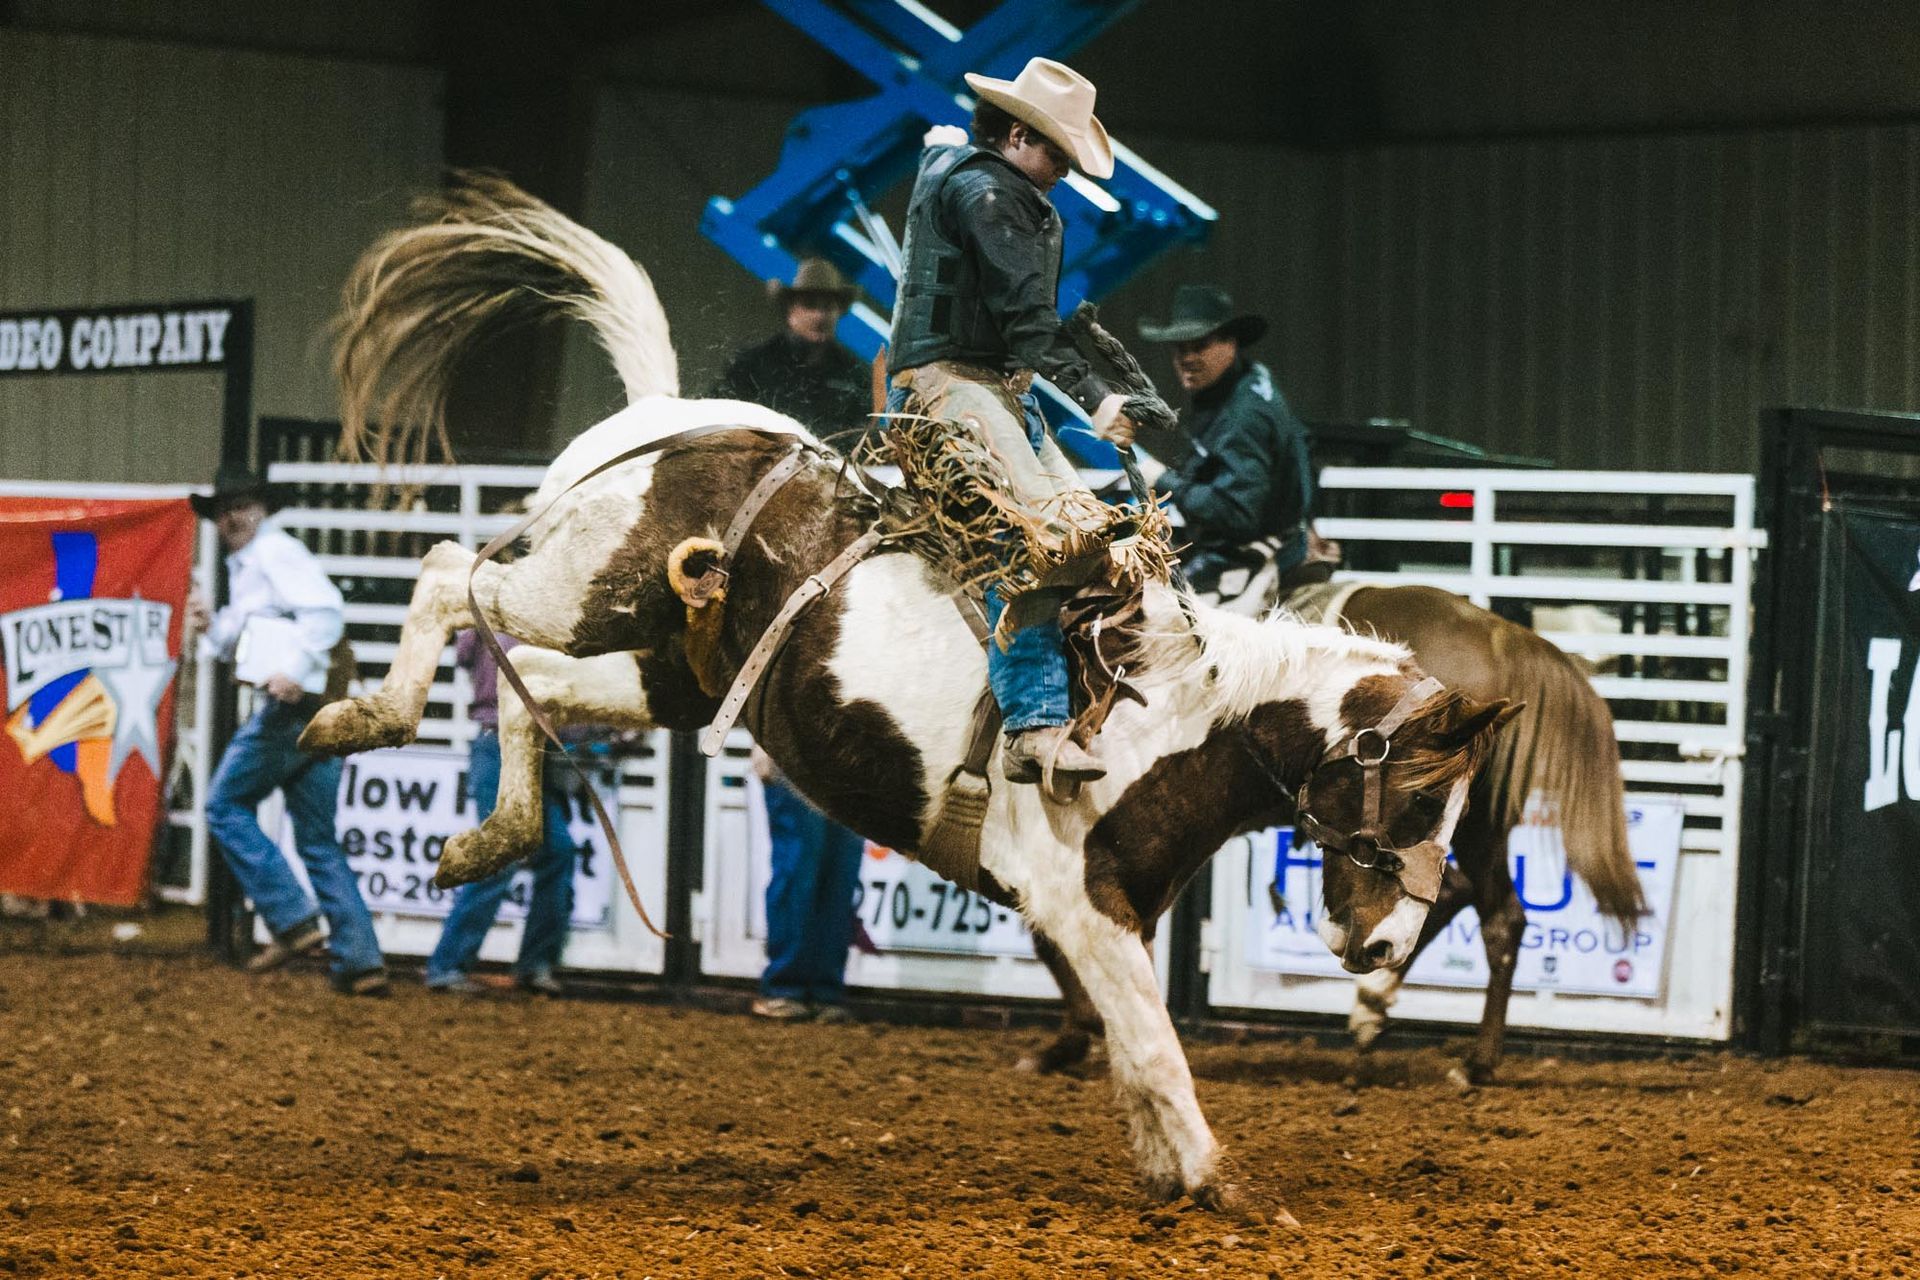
(1382, 804)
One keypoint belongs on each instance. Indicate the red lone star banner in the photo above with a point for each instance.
(92, 602)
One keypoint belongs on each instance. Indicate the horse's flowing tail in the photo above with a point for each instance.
(1564, 746)
(483, 256)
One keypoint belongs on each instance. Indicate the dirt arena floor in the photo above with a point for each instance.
(164, 1116)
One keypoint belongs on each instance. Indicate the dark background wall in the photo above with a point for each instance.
(1601, 230)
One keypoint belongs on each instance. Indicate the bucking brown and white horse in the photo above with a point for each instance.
(867, 708)
(1559, 752)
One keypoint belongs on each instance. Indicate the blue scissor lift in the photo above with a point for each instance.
(839, 159)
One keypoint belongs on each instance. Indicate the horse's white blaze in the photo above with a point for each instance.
(1400, 930)
(1334, 935)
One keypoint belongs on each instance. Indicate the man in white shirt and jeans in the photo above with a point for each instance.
(272, 576)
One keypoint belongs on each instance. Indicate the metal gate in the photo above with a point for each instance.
(1832, 900)
(1647, 575)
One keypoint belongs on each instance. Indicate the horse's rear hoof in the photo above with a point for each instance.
(359, 724)
(474, 855)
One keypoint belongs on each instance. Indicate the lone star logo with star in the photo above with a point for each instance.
(85, 678)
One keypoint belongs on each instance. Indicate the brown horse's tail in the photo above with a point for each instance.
(481, 257)
(1563, 746)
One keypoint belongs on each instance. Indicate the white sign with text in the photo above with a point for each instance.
(1568, 944)
(397, 809)
(900, 904)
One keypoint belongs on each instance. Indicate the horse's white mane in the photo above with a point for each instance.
(1242, 662)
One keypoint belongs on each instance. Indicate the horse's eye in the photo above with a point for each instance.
(1423, 812)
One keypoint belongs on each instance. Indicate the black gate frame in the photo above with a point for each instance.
(1796, 487)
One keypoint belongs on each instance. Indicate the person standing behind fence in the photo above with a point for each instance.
(475, 905)
(816, 863)
(280, 597)
(803, 371)
(1245, 484)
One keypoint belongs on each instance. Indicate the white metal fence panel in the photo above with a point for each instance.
(378, 553)
(180, 862)
(1646, 576)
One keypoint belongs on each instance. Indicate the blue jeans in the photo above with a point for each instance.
(1029, 679)
(262, 758)
(475, 905)
(816, 863)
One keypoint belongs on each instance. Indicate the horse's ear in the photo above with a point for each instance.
(1470, 721)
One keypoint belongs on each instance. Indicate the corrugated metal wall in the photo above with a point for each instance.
(1627, 302)
(133, 172)
(1616, 302)
(1624, 302)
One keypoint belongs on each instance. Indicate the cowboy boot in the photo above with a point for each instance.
(1035, 753)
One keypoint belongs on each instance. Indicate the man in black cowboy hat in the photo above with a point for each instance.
(802, 371)
(285, 612)
(1244, 479)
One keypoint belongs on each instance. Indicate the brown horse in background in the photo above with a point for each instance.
(1561, 745)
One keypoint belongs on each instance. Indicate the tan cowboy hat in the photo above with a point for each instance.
(813, 275)
(1058, 101)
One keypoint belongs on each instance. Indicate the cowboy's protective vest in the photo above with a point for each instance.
(942, 312)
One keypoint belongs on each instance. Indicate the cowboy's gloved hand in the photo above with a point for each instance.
(1151, 413)
(1111, 423)
(944, 135)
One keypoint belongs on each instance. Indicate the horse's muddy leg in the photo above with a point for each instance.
(604, 690)
(1502, 922)
(1080, 1023)
(1173, 1148)
(390, 716)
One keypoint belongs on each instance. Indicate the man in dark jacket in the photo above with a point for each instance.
(978, 316)
(1244, 478)
(802, 371)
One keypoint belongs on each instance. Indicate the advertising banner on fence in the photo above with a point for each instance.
(92, 600)
(900, 904)
(399, 807)
(1568, 944)
(1862, 948)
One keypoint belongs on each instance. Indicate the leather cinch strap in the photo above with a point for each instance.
(714, 736)
(952, 847)
(770, 483)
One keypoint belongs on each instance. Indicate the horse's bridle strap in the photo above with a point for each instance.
(714, 736)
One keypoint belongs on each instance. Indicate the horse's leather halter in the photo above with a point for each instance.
(1418, 867)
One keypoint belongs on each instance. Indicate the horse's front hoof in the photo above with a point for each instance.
(358, 724)
(1366, 1033)
(1239, 1205)
(475, 855)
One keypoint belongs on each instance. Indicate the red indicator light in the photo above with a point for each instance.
(1457, 501)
